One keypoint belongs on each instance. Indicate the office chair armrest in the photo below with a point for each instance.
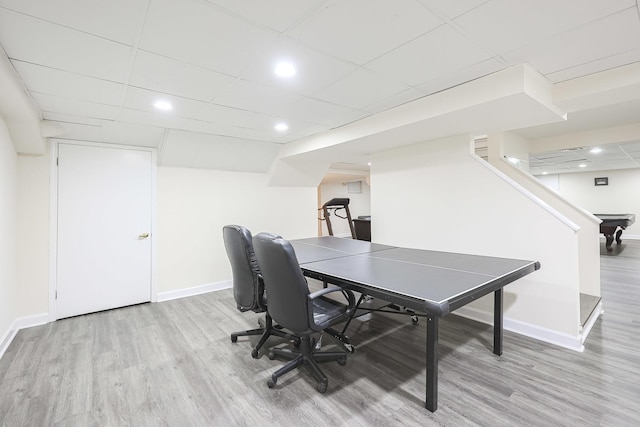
(348, 295)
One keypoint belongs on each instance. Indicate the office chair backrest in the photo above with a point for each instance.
(244, 265)
(286, 287)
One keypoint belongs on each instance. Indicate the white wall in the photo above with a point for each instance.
(194, 205)
(452, 201)
(621, 196)
(33, 231)
(550, 181)
(8, 235)
(508, 144)
(359, 204)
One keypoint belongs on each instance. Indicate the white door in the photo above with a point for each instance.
(104, 228)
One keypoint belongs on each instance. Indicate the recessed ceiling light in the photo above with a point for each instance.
(596, 150)
(582, 165)
(545, 173)
(281, 127)
(369, 164)
(163, 105)
(285, 69)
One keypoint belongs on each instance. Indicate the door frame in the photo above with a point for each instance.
(53, 215)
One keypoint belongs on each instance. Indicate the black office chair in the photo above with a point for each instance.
(296, 309)
(248, 287)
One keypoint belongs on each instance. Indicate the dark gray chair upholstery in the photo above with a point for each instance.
(248, 287)
(293, 306)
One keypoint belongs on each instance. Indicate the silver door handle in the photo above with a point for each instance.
(143, 236)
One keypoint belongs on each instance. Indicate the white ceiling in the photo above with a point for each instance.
(96, 67)
(580, 159)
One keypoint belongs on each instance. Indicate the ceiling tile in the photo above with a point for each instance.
(355, 90)
(143, 99)
(301, 133)
(429, 56)
(452, 9)
(602, 64)
(362, 30)
(76, 107)
(395, 100)
(80, 60)
(631, 148)
(130, 134)
(504, 25)
(315, 111)
(73, 119)
(462, 75)
(612, 35)
(80, 132)
(277, 14)
(256, 97)
(118, 20)
(235, 117)
(167, 75)
(222, 129)
(63, 48)
(314, 70)
(51, 81)
(199, 34)
(353, 116)
(149, 118)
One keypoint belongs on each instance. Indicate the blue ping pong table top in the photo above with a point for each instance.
(424, 279)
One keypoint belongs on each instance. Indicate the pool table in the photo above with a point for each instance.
(610, 223)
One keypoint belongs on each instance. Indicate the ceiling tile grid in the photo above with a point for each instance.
(116, 20)
(97, 67)
(582, 159)
(362, 30)
(41, 42)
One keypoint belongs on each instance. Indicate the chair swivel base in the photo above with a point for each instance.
(305, 356)
(268, 330)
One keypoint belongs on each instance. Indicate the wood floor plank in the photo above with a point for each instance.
(173, 364)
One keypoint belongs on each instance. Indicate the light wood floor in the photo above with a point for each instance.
(172, 363)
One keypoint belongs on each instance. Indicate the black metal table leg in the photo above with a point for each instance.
(497, 322)
(432, 363)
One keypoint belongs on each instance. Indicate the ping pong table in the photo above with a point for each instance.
(431, 282)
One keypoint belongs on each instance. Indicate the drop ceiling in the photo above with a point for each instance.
(95, 68)
(584, 159)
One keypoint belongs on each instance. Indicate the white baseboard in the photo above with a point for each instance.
(196, 290)
(41, 319)
(21, 323)
(586, 328)
(552, 337)
(563, 340)
(625, 236)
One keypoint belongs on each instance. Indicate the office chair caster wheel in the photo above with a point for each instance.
(322, 387)
(271, 382)
(234, 338)
(414, 319)
(296, 342)
(342, 361)
(271, 355)
(349, 347)
(254, 353)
